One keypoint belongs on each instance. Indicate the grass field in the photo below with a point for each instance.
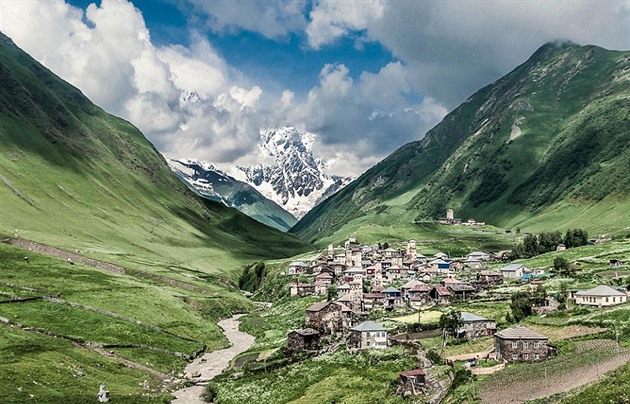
(428, 316)
(37, 368)
(334, 377)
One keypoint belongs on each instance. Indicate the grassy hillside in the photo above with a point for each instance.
(544, 147)
(77, 178)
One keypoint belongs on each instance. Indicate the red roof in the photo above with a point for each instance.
(450, 280)
(324, 275)
(442, 290)
(415, 372)
(373, 296)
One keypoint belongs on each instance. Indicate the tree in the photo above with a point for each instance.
(575, 238)
(451, 321)
(539, 296)
(385, 245)
(521, 305)
(560, 263)
(549, 241)
(530, 246)
(563, 294)
(331, 292)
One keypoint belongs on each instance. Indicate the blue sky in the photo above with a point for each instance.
(285, 62)
(202, 78)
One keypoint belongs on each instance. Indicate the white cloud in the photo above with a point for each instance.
(453, 48)
(331, 19)
(271, 18)
(191, 103)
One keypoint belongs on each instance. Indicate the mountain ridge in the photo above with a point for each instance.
(501, 138)
(210, 182)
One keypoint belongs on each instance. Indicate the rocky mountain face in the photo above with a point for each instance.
(211, 183)
(544, 147)
(295, 179)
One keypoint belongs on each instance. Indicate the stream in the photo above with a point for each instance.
(213, 363)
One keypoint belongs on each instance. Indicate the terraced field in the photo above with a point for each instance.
(581, 364)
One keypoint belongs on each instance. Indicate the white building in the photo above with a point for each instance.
(601, 295)
(367, 335)
(514, 271)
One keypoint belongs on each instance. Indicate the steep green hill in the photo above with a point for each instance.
(546, 146)
(84, 181)
(78, 178)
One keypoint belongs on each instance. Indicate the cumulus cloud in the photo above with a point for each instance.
(453, 48)
(271, 18)
(191, 103)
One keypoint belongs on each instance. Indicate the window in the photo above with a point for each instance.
(614, 299)
(606, 299)
(514, 344)
(537, 345)
(536, 356)
(514, 357)
(525, 344)
(525, 356)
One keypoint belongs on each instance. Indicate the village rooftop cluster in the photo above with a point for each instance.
(360, 280)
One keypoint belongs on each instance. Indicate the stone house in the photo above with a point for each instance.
(520, 344)
(343, 289)
(302, 289)
(325, 317)
(393, 298)
(491, 277)
(321, 288)
(474, 326)
(513, 271)
(373, 300)
(478, 255)
(325, 278)
(440, 294)
(461, 291)
(412, 382)
(297, 267)
(302, 340)
(473, 263)
(599, 296)
(367, 335)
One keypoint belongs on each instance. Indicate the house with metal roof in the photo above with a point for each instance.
(521, 344)
(600, 296)
(474, 326)
(514, 271)
(367, 335)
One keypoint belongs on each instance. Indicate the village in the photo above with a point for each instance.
(362, 283)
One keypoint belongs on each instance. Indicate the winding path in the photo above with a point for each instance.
(213, 363)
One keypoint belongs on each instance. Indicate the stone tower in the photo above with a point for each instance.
(449, 214)
(411, 249)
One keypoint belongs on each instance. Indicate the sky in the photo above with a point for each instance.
(202, 78)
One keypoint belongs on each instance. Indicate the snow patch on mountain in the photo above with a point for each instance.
(294, 179)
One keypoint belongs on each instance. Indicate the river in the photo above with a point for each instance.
(213, 363)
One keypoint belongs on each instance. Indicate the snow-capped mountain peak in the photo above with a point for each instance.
(295, 179)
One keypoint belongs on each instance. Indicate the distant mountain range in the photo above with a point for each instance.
(294, 181)
(547, 146)
(209, 182)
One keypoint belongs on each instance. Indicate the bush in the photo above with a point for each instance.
(434, 357)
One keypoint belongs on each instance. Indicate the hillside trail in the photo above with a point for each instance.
(213, 363)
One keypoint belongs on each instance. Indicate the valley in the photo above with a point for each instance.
(488, 261)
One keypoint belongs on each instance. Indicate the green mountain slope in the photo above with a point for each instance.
(546, 146)
(76, 177)
(82, 180)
